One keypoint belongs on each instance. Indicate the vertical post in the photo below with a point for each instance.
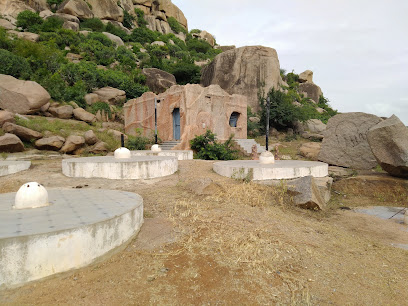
(268, 109)
(122, 140)
(155, 120)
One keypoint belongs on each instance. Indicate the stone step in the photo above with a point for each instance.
(168, 145)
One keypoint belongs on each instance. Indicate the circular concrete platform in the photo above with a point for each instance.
(78, 227)
(281, 169)
(180, 154)
(10, 167)
(138, 167)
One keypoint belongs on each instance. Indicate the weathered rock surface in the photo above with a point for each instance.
(345, 141)
(6, 116)
(22, 132)
(110, 95)
(158, 80)
(7, 24)
(23, 97)
(311, 90)
(13, 8)
(53, 143)
(100, 148)
(62, 112)
(83, 115)
(310, 150)
(314, 126)
(106, 9)
(115, 39)
(307, 193)
(11, 143)
(306, 77)
(243, 71)
(77, 8)
(324, 184)
(72, 143)
(91, 98)
(90, 138)
(26, 35)
(388, 141)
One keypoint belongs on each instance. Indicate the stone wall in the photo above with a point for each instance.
(201, 108)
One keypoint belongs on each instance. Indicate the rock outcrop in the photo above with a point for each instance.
(158, 80)
(23, 97)
(11, 143)
(388, 141)
(345, 141)
(311, 91)
(306, 77)
(22, 132)
(244, 71)
(110, 95)
(77, 8)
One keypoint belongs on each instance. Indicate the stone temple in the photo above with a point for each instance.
(184, 112)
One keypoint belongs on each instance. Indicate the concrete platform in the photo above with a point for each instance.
(281, 169)
(10, 167)
(138, 167)
(180, 154)
(77, 228)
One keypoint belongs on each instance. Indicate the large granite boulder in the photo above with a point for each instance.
(53, 143)
(72, 143)
(23, 97)
(62, 112)
(7, 24)
(311, 91)
(115, 39)
(6, 116)
(306, 77)
(388, 141)
(13, 8)
(345, 141)
(11, 143)
(314, 126)
(244, 71)
(77, 8)
(106, 9)
(158, 80)
(22, 132)
(110, 95)
(83, 115)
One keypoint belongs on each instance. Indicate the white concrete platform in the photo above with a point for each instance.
(77, 228)
(180, 154)
(281, 169)
(138, 167)
(10, 167)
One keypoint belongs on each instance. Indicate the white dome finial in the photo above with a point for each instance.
(31, 195)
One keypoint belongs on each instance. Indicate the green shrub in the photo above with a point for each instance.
(94, 50)
(56, 2)
(141, 22)
(29, 20)
(127, 58)
(138, 142)
(102, 38)
(206, 147)
(186, 73)
(63, 38)
(198, 45)
(128, 20)
(143, 35)
(94, 24)
(176, 26)
(5, 42)
(101, 106)
(52, 24)
(117, 31)
(14, 65)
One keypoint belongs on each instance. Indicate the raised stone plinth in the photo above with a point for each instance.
(10, 167)
(77, 228)
(138, 167)
(180, 154)
(281, 169)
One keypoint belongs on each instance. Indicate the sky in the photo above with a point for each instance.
(357, 49)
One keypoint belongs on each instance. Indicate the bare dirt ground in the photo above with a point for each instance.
(243, 244)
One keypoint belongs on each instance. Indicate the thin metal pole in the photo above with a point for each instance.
(268, 109)
(155, 120)
(122, 140)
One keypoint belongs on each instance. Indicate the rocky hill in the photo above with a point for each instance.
(83, 60)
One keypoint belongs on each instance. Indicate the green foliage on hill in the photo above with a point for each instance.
(45, 62)
(176, 26)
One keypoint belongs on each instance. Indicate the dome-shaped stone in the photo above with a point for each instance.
(122, 153)
(156, 148)
(266, 158)
(31, 195)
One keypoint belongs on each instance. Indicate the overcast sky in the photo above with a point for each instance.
(357, 49)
